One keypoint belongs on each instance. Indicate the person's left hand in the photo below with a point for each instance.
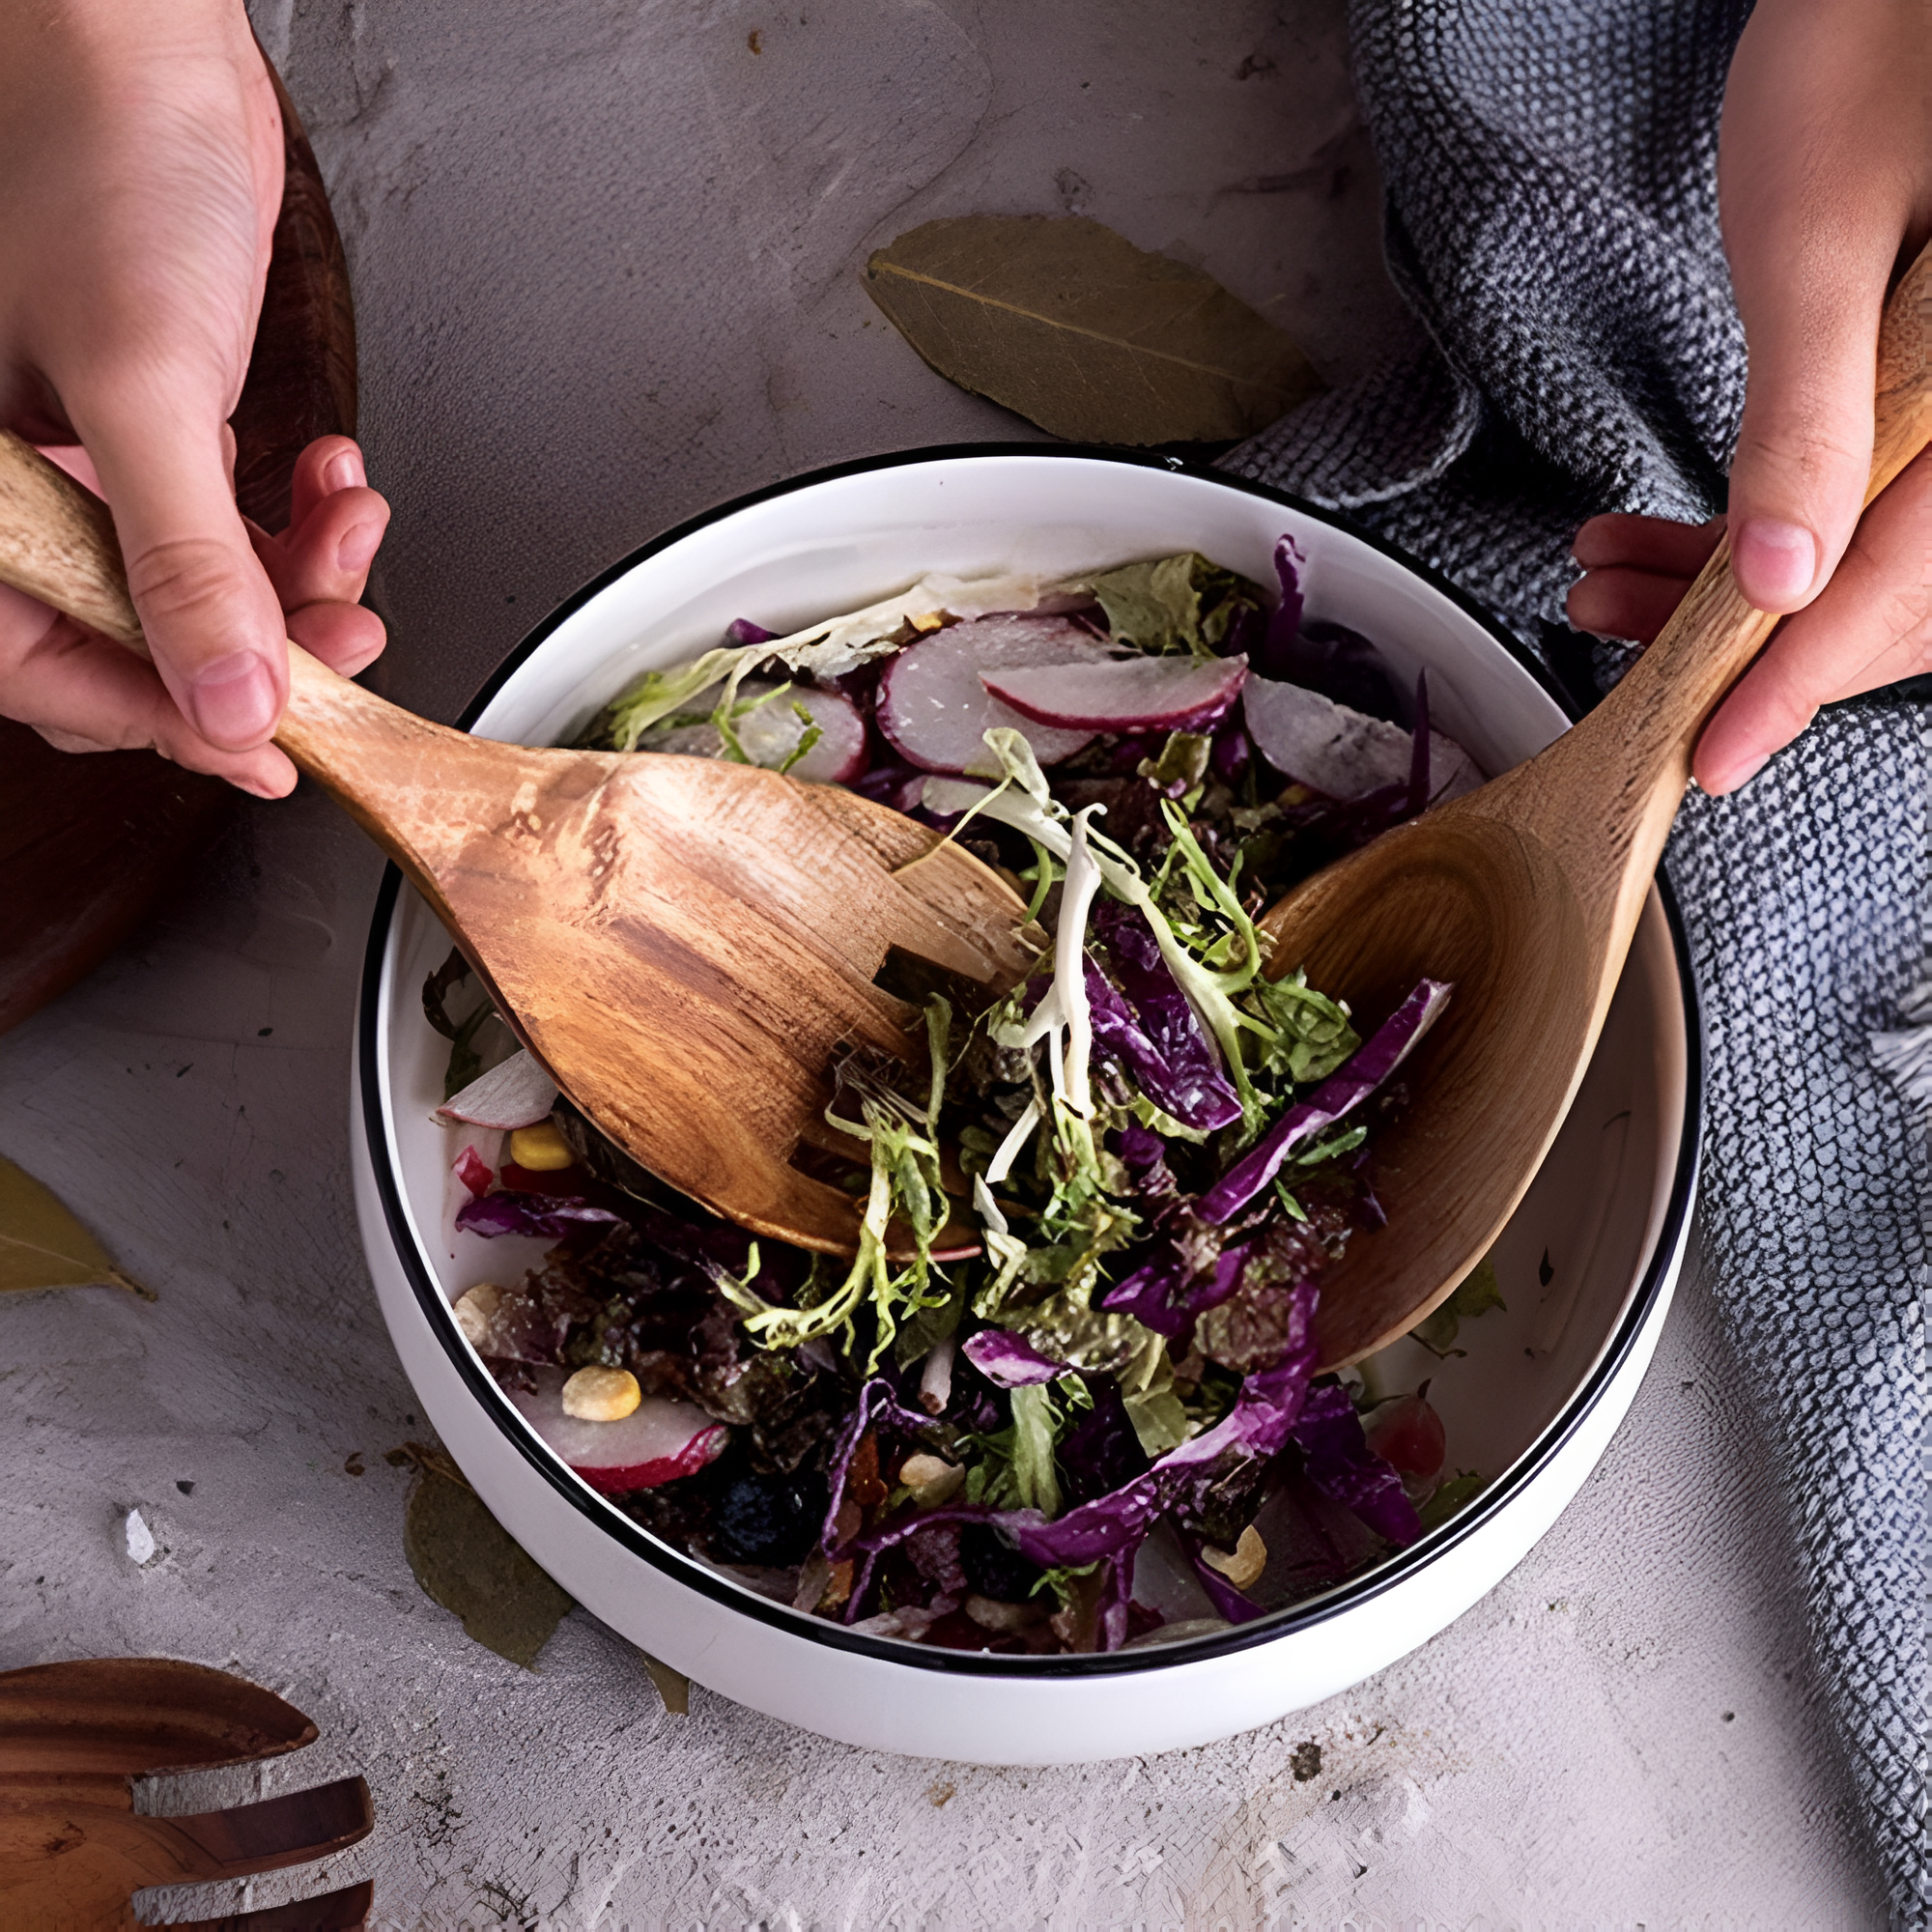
(66, 681)
(1871, 626)
(1825, 189)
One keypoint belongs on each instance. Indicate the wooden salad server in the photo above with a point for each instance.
(1526, 894)
(74, 1851)
(683, 943)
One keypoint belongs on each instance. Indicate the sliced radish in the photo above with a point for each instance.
(473, 1171)
(659, 1441)
(1123, 695)
(935, 709)
(1344, 753)
(519, 1093)
(948, 798)
(773, 732)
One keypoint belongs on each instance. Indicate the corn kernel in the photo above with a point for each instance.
(601, 1395)
(1245, 1565)
(474, 1311)
(931, 1479)
(541, 1149)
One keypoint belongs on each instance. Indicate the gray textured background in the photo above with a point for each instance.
(605, 266)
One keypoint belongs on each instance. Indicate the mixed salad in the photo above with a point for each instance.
(1100, 1427)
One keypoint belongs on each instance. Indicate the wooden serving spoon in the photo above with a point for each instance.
(683, 943)
(1526, 894)
(74, 1851)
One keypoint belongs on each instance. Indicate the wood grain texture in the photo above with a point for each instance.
(685, 944)
(72, 1850)
(1526, 894)
(89, 844)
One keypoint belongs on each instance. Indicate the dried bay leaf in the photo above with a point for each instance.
(468, 1562)
(1070, 326)
(42, 1246)
(673, 1686)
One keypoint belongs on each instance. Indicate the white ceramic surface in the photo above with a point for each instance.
(1587, 1264)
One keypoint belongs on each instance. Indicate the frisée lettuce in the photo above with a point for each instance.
(1106, 1419)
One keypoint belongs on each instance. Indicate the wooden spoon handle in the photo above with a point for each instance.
(57, 543)
(1659, 709)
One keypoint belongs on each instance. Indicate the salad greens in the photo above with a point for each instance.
(1159, 1142)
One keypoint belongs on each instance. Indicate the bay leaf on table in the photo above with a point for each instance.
(468, 1562)
(1070, 326)
(43, 1246)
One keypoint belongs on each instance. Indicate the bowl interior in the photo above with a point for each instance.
(1579, 1249)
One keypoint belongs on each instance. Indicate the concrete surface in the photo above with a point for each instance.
(605, 258)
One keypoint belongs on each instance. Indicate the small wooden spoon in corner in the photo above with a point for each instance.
(1526, 894)
(683, 943)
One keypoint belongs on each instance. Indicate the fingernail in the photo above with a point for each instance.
(1774, 563)
(232, 701)
(344, 471)
(358, 547)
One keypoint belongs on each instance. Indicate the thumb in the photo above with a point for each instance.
(211, 618)
(1817, 163)
(1805, 445)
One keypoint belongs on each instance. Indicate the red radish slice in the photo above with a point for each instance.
(659, 1441)
(771, 734)
(935, 709)
(1123, 695)
(1344, 753)
(519, 1093)
(473, 1171)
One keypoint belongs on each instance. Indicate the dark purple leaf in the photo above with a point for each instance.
(879, 1406)
(1276, 649)
(891, 783)
(1378, 1057)
(1144, 1022)
(1340, 1463)
(1111, 1527)
(1009, 1360)
(1319, 655)
(1229, 757)
(1230, 1603)
(741, 631)
(1139, 1146)
(552, 1216)
(1166, 1291)
(1102, 1452)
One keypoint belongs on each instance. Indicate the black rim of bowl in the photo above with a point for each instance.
(720, 1590)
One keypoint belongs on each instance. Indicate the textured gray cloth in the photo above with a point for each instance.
(1551, 170)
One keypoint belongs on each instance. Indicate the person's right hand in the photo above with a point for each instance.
(141, 158)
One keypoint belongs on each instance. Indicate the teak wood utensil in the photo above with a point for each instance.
(683, 943)
(73, 1849)
(1526, 894)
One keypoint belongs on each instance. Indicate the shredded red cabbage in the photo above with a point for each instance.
(1378, 1057)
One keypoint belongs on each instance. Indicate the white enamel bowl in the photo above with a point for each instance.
(1586, 1267)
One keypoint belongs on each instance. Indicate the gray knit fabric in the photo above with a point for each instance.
(1551, 217)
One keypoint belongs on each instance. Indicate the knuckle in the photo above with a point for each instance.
(189, 578)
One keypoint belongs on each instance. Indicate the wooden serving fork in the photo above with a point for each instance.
(74, 1851)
